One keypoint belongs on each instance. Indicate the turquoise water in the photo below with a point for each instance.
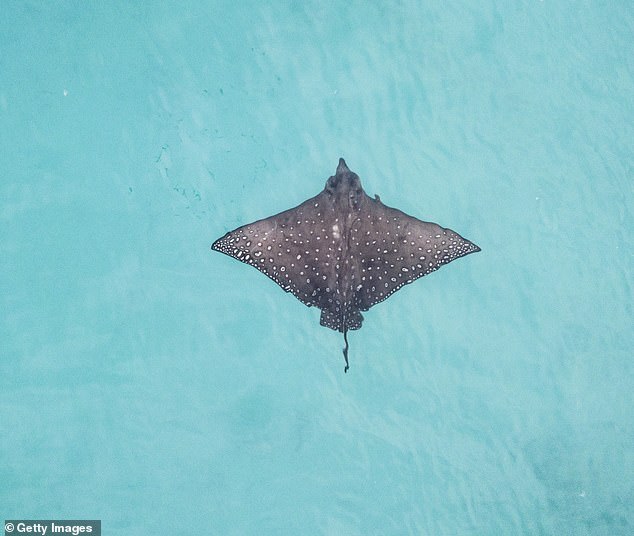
(163, 388)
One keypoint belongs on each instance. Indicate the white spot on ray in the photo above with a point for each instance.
(335, 232)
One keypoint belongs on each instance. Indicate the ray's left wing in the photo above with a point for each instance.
(293, 248)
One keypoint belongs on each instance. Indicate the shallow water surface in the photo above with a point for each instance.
(161, 387)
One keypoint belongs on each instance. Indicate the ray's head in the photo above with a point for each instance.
(345, 185)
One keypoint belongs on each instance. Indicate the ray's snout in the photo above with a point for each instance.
(343, 180)
(342, 167)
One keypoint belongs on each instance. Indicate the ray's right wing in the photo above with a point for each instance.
(394, 249)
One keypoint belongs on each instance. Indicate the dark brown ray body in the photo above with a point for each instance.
(342, 251)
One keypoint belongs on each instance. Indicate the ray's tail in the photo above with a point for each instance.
(345, 350)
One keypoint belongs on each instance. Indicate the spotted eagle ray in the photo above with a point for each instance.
(342, 251)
